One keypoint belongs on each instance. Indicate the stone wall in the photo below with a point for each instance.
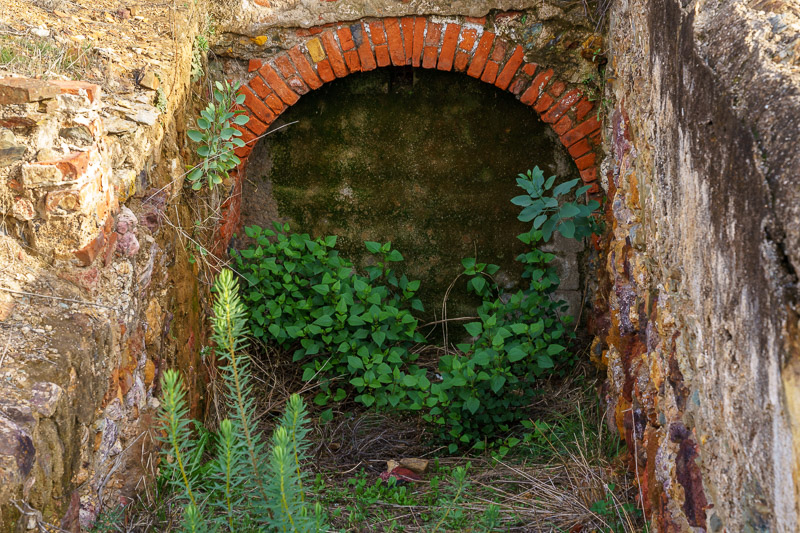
(701, 341)
(95, 300)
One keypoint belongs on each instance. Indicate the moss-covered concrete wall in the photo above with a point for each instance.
(427, 160)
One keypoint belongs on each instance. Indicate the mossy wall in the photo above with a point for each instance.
(427, 160)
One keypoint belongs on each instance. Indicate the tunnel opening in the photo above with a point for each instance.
(424, 159)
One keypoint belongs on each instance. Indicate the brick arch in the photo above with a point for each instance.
(464, 45)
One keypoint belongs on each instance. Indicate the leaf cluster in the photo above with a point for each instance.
(307, 299)
(217, 137)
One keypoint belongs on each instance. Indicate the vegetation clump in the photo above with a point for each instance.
(241, 482)
(305, 298)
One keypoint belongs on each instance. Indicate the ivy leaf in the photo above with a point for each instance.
(373, 247)
(355, 362)
(195, 135)
(568, 210)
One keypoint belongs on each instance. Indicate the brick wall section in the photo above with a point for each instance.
(69, 201)
(336, 50)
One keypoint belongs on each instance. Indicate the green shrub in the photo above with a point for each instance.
(246, 485)
(520, 335)
(305, 298)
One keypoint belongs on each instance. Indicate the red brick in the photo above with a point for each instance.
(543, 103)
(583, 108)
(589, 175)
(490, 72)
(260, 87)
(278, 85)
(462, 60)
(449, 43)
(377, 32)
(579, 148)
(316, 30)
(248, 138)
(557, 88)
(419, 40)
(563, 126)
(302, 32)
(346, 38)
(243, 151)
(285, 65)
(382, 55)
(256, 126)
(476, 20)
(481, 55)
(93, 91)
(275, 104)
(254, 64)
(297, 84)
(468, 38)
(533, 92)
(529, 68)
(434, 34)
(365, 50)
(334, 54)
(325, 71)
(596, 138)
(256, 106)
(304, 67)
(395, 39)
(580, 131)
(567, 101)
(593, 194)
(353, 63)
(73, 165)
(24, 90)
(87, 254)
(507, 74)
(586, 161)
(429, 57)
(407, 25)
(499, 52)
(518, 85)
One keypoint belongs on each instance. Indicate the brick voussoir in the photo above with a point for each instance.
(256, 106)
(277, 84)
(481, 55)
(567, 101)
(449, 43)
(394, 37)
(334, 53)
(510, 69)
(304, 67)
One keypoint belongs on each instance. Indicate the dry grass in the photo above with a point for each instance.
(43, 57)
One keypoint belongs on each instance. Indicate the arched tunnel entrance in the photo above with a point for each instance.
(424, 159)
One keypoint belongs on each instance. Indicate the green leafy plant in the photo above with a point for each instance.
(247, 484)
(304, 297)
(217, 136)
(520, 335)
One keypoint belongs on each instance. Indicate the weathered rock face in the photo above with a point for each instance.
(703, 257)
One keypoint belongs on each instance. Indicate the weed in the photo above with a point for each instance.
(43, 57)
(217, 136)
